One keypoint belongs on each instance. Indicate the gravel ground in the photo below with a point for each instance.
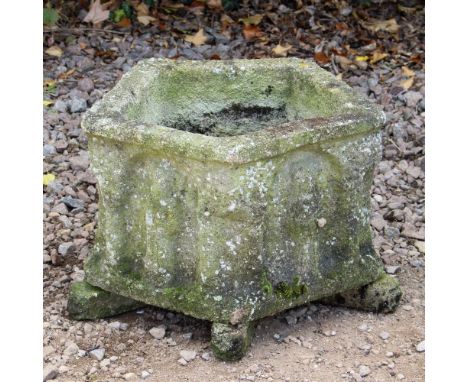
(310, 343)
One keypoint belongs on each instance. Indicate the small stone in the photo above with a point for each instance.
(364, 370)
(187, 336)
(78, 105)
(72, 202)
(130, 377)
(60, 106)
(384, 335)
(188, 355)
(115, 325)
(145, 374)
(49, 373)
(71, 349)
(389, 354)
(86, 84)
(420, 246)
(392, 269)
(363, 327)
(291, 320)
(158, 333)
(412, 98)
(80, 161)
(421, 347)
(66, 248)
(104, 363)
(391, 232)
(48, 150)
(321, 222)
(60, 208)
(182, 361)
(400, 376)
(123, 326)
(206, 356)
(97, 354)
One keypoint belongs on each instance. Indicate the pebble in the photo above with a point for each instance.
(384, 335)
(78, 105)
(66, 248)
(182, 361)
(71, 349)
(392, 269)
(115, 325)
(48, 150)
(291, 320)
(421, 347)
(206, 356)
(72, 202)
(60, 106)
(363, 327)
(104, 363)
(80, 162)
(97, 354)
(49, 372)
(86, 84)
(158, 333)
(145, 374)
(364, 370)
(188, 355)
(130, 377)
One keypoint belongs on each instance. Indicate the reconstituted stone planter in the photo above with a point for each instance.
(231, 191)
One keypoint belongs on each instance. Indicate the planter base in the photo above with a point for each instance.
(87, 302)
(230, 342)
(380, 296)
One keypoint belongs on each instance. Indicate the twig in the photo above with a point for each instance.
(394, 144)
(78, 30)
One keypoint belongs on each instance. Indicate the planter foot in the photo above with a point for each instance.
(230, 342)
(380, 296)
(87, 302)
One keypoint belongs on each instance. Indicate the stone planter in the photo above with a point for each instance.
(231, 191)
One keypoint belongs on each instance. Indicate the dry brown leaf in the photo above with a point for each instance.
(142, 9)
(96, 13)
(54, 51)
(125, 23)
(251, 31)
(382, 25)
(215, 4)
(407, 71)
(252, 20)
(321, 58)
(377, 56)
(281, 50)
(406, 84)
(145, 20)
(198, 38)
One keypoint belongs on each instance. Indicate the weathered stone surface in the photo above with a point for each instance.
(87, 302)
(382, 295)
(230, 343)
(232, 190)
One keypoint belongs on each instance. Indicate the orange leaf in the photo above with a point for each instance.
(321, 58)
(251, 31)
(407, 72)
(377, 56)
(406, 84)
(252, 20)
(125, 22)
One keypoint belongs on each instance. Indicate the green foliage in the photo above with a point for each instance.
(117, 15)
(50, 16)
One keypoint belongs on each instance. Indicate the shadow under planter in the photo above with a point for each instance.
(230, 191)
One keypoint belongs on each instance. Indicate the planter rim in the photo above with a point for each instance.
(356, 116)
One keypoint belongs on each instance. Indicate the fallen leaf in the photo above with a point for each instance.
(252, 20)
(407, 71)
(281, 51)
(198, 38)
(49, 83)
(65, 75)
(96, 13)
(382, 25)
(377, 56)
(125, 22)
(145, 20)
(47, 102)
(47, 178)
(215, 4)
(406, 84)
(321, 58)
(54, 51)
(251, 31)
(142, 9)
(362, 58)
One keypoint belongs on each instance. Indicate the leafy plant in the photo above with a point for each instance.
(50, 16)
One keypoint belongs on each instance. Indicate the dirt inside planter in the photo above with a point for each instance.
(234, 120)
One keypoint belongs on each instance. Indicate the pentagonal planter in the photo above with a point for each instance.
(233, 190)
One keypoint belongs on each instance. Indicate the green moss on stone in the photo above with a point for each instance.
(86, 302)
